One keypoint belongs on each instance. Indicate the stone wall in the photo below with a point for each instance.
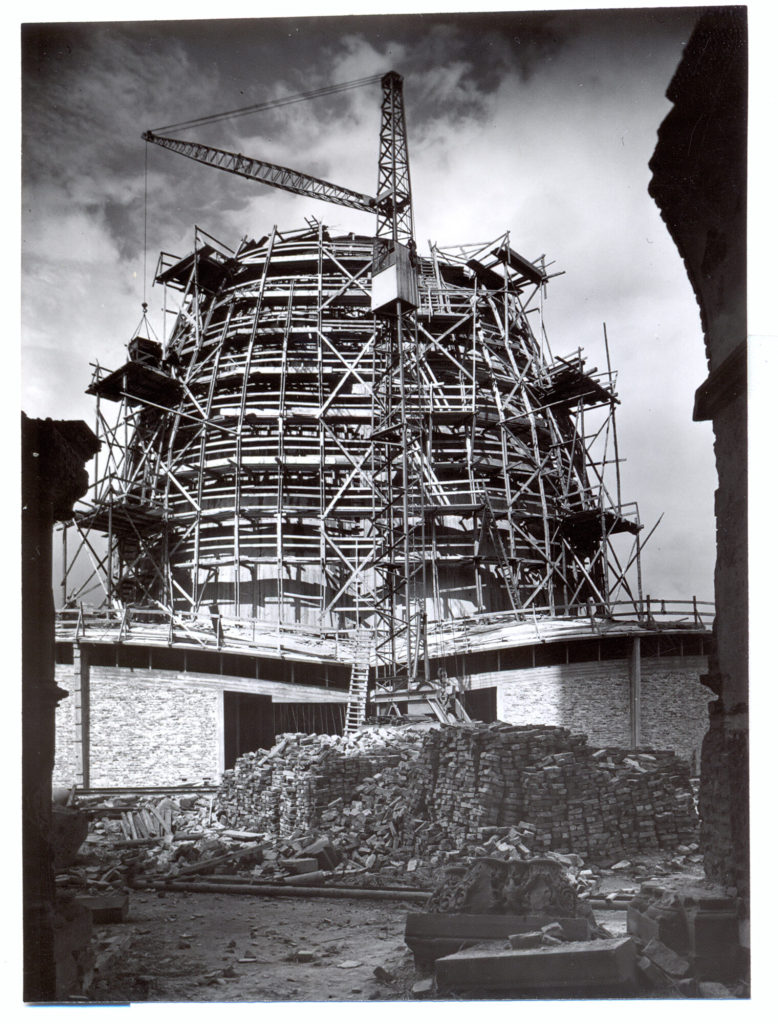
(724, 801)
(593, 697)
(144, 731)
(156, 727)
(64, 773)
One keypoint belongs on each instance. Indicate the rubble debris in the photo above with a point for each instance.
(698, 925)
(714, 990)
(666, 959)
(401, 812)
(526, 940)
(422, 988)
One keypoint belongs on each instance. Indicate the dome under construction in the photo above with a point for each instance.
(291, 460)
(350, 473)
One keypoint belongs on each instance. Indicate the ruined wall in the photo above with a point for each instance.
(593, 697)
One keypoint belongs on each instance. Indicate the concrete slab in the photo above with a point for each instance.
(601, 966)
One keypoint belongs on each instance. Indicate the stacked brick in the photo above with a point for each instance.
(285, 790)
(395, 793)
(609, 801)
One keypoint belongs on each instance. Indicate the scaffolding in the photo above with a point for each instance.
(292, 458)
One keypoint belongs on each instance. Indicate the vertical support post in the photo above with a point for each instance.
(220, 726)
(406, 526)
(634, 694)
(109, 557)
(612, 414)
(639, 572)
(81, 705)
(254, 589)
(98, 433)
(65, 568)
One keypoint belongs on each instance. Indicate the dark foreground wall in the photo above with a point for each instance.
(699, 184)
(53, 477)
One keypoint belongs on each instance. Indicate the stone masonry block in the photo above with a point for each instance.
(667, 924)
(667, 959)
(572, 968)
(712, 931)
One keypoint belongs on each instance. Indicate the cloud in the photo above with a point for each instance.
(542, 125)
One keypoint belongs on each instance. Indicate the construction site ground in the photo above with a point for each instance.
(208, 947)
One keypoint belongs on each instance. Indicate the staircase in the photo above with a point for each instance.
(357, 690)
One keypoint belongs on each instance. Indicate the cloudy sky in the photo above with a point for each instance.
(541, 124)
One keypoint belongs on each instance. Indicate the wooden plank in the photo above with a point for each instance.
(160, 818)
(306, 891)
(204, 865)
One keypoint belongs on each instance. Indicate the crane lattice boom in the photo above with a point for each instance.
(267, 173)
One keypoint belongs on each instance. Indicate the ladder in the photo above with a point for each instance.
(503, 565)
(357, 689)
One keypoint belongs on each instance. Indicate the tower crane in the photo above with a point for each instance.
(394, 300)
(392, 204)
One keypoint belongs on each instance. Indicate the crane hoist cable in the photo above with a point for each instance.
(284, 101)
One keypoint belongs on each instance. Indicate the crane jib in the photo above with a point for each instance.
(267, 173)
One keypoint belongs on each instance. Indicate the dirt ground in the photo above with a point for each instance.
(212, 947)
(203, 947)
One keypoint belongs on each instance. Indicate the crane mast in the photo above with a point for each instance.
(398, 432)
(393, 196)
(394, 300)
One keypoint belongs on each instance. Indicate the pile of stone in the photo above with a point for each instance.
(388, 796)
(285, 790)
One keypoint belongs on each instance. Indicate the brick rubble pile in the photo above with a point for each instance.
(386, 795)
